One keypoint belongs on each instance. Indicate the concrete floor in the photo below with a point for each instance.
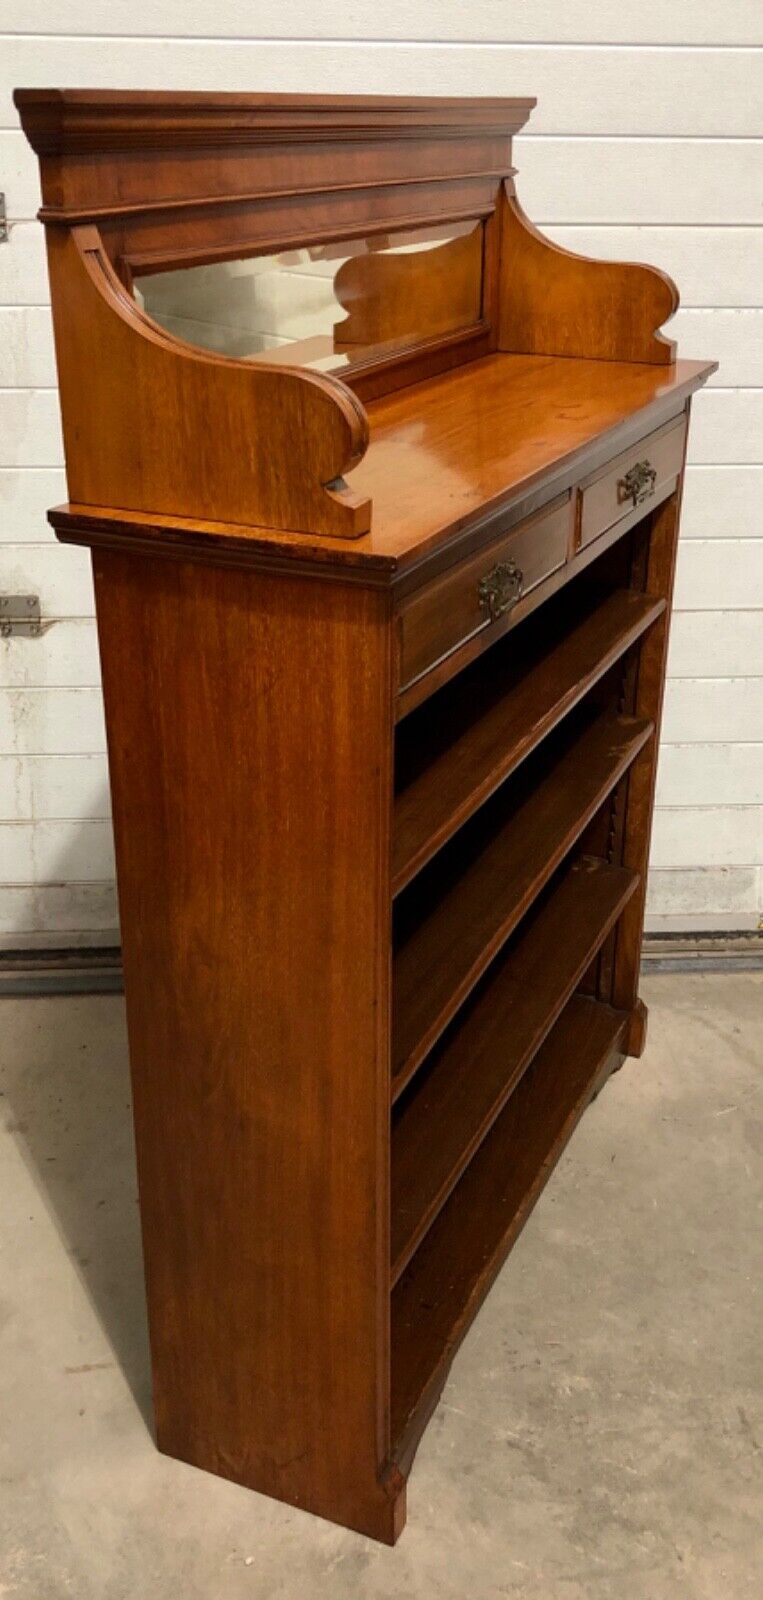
(602, 1432)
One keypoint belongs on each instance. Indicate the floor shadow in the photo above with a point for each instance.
(66, 1099)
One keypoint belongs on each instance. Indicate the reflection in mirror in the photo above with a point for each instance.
(328, 306)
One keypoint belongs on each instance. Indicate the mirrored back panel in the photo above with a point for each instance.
(329, 306)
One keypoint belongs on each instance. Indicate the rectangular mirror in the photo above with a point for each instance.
(328, 306)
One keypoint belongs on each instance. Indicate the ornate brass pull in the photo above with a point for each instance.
(500, 588)
(638, 483)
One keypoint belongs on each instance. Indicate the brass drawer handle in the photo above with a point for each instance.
(638, 484)
(500, 589)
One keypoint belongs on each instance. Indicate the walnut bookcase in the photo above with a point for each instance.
(383, 645)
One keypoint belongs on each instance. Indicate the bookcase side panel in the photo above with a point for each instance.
(249, 724)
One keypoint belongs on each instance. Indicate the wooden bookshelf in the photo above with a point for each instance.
(464, 752)
(453, 1102)
(492, 875)
(440, 1294)
(383, 643)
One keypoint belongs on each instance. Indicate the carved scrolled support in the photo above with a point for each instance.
(153, 424)
(556, 303)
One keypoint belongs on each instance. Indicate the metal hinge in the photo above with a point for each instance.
(3, 221)
(20, 616)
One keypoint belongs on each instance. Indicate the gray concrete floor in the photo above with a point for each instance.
(602, 1431)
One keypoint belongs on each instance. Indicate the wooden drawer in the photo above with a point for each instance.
(632, 479)
(481, 591)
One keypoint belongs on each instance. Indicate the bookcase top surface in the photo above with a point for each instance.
(447, 451)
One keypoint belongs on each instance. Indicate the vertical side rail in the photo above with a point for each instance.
(637, 828)
(250, 742)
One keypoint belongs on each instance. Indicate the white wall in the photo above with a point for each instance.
(645, 144)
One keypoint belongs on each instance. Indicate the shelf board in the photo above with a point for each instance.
(441, 1292)
(454, 1101)
(467, 768)
(465, 925)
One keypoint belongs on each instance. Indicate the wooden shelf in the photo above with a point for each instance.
(488, 887)
(465, 769)
(439, 1295)
(456, 1098)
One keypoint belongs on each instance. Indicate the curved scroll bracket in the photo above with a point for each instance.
(560, 304)
(155, 425)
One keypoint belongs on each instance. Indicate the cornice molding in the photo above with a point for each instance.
(58, 121)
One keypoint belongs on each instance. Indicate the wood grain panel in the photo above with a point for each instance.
(207, 400)
(559, 304)
(276, 1174)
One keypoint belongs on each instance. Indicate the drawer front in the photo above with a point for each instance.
(480, 593)
(632, 479)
